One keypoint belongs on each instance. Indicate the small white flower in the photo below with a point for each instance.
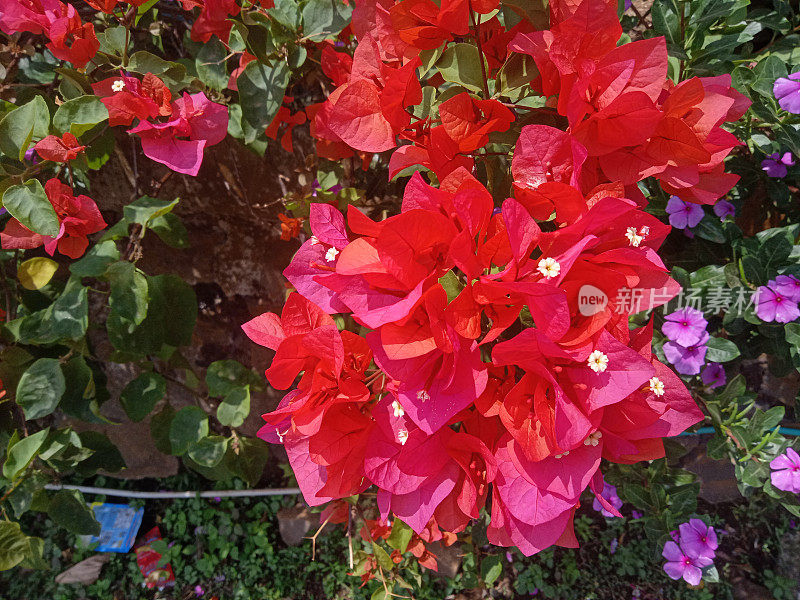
(563, 454)
(423, 396)
(330, 255)
(633, 237)
(644, 231)
(118, 85)
(598, 362)
(656, 386)
(549, 267)
(314, 240)
(398, 410)
(402, 437)
(593, 439)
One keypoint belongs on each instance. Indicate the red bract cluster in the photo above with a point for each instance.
(78, 217)
(191, 124)
(70, 38)
(494, 355)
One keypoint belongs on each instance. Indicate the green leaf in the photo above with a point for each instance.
(142, 394)
(112, 40)
(79, 115)
(79, 399)
(171, 230)
(766, 72)
(324, 19)
(224, 376)
(209, 451)
(145, 209)
(73, 514)
(20, 126)
(21, 452)
(774, 252)
(189, 425)
(638, 496)
(491, 569)
(95, 262)
(400, 536)
(160, 426)
(35, 273)
(33, 555)
(40, 388)
(252, 458)
(287, 13)
(451, 284)
(28, 203)
(13, 545)
(210, 64)
(261, 91)
(128, 299)
(383, 558)
(721, 350)
(460, 63)
(235, 407)
(106, 455)
(173, 74)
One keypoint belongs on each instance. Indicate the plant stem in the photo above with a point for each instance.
(476, 25)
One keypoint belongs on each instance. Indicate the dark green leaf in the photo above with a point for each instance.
(70, 512)
(189, 425)
(208, 452)
(79, 115)
(721, 350)
(21, 452)
(224, 376)
(171, 230)
(28, 203)
(491, 569)
(106, 455)
(19, 127)
(210, 64)
(40, 388)
(128, 299)
(261, 91)
(145, 209)
(142, 394)
(96, 260)
(235, 407)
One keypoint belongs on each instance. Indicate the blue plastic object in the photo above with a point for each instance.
(119, 524)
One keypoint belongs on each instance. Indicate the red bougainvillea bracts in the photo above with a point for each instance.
(477, 370)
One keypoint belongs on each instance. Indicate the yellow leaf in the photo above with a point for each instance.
(35, 273)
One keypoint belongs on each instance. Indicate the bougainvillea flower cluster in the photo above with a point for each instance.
(174, 133)
(78, 217)
(492, 355)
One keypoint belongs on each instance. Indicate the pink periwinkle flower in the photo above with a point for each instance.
(681, 565)
(724, 209)
(786, 471)
(683, 214)
(776, 164)
(713, 376)
(685, 326)
(198, 591)
(787, 92)
(788, 286)
(771, 305)
(687, 360)
(698, 539)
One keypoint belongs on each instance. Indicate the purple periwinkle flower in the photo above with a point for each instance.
(713, 376)
(685, 326)
(509, 557)
(681, 565)
(687, 360)
(775, 165)
(683, 214)
(698, 539)
(786, 471)
(198, 591)
(788, 286)
(787, 92)
(614, 545)
(30, 154)
(609, 494)
(724, 209)
(636, 514)
(771, 305)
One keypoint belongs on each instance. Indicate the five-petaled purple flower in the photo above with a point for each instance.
(683, 214)
(713, 376)
(786, 471)
(681, 564)
(685, 326)
(198, 591)
(788, 286)
(787, 92)
(687, 360)
(775, 165)
(771, 305)
(724, 209)
(609, 493)
(698, 539)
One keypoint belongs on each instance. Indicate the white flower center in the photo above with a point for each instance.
(598, 362)
(656, 386)
(563, 454)
(593, 439)
(402, 437)
(314, 240)
(398, 410)
(330, 255)
(549, 267)
(423, 396)
(118, 85)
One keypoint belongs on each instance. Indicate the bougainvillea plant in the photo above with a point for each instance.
(479, 363)
(536, 241)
